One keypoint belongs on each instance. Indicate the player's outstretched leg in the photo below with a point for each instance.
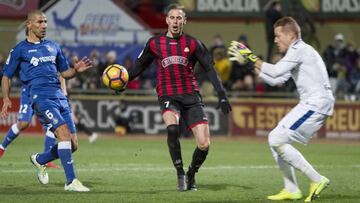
(49, 142)
(65, 155)
(175, 153)
(2, 150)
(12, 133)
(198, 159)
(42, 175)
(291, 190)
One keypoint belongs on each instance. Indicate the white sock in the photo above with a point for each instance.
(297, 160)
(288, 172)
(15, 129)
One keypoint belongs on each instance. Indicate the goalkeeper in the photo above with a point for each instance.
(307, 69)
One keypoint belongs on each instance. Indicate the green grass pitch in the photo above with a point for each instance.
(138, 169)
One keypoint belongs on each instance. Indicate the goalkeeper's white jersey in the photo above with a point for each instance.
(309, 73)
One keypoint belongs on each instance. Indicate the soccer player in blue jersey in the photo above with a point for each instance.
(39, 62)
(25, 115)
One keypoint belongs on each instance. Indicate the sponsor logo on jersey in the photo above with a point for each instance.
(173, 43)
(174, 60)
(32, 50)
(35, 61)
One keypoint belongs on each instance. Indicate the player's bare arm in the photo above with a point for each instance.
(79, 67)
(5, 88)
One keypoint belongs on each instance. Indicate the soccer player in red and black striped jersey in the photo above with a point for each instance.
(178, 93)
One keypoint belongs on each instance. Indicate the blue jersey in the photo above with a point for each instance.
(26, 111)
(39, 64)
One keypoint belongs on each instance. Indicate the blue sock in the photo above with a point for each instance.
(48, 156)
(65, 155)
(49, 141)
(10, 135)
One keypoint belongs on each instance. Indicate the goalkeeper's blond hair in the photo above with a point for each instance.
(289, 24)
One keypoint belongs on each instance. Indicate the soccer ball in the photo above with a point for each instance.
(115, 77)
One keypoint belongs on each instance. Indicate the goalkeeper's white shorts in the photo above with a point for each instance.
(299, 125)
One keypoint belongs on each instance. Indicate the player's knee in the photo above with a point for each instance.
(63, 133)
(173, 131)
(276, 138)
(204, 145)
(22, 125)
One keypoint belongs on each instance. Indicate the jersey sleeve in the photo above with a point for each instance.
(275, 81)
(12, 63)
(61, 61)
(204, 57)
(290, 61)
(143, 61)
(206, 61)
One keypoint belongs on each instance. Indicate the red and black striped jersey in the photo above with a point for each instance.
(176, 58)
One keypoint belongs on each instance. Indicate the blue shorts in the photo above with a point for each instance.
(54, 112)
(26, 111)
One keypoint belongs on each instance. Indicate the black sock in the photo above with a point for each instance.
(198, 159)
(175, 148)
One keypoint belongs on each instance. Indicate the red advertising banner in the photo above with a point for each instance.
(18, 8)
(6, 123)
(259, 117)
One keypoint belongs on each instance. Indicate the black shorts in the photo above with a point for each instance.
(189, 106)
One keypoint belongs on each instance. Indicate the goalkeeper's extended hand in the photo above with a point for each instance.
(239, 52)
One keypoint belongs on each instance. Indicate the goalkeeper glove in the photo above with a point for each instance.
(239, 52)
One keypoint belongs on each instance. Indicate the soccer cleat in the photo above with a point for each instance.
(190, 182)
(285, 195)
(76, 186)
(42, 175)
(93, 137)
(181, 183)
(1, 152)
(52, 165)
(317, 188)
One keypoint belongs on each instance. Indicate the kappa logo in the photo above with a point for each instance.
(186, 49)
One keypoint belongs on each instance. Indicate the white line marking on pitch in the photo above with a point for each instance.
(151, 167)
